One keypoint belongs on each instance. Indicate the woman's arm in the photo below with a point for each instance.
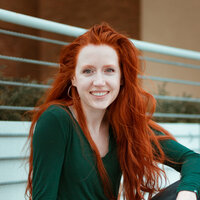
(187, 163)
(49, 145)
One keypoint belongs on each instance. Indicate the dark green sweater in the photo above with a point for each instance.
(64, 167)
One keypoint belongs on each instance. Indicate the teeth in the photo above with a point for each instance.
(99, 93)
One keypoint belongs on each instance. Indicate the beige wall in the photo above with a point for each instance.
(124, 16)
(173, 23)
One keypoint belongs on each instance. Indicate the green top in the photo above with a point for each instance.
(64, 167)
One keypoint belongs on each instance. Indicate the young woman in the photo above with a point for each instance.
(96, 125)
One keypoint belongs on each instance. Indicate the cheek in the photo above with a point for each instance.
(116, 82)
(83, 83)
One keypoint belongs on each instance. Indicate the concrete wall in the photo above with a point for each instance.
(13, 168)
(173, 23)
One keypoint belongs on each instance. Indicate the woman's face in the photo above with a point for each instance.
(97, 76)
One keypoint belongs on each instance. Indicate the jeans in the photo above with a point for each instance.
(169, 193)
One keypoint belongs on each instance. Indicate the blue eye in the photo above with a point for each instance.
(110, 70)
(87, 71)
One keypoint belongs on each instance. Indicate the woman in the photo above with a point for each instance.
(96, 125)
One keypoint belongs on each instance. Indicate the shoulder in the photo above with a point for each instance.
(56, 111)
(54, 120)
(57, 114)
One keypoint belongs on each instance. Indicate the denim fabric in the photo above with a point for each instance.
(169, 193)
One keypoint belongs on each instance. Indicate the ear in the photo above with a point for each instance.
(73, 81)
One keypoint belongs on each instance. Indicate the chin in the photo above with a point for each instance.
(100, 107)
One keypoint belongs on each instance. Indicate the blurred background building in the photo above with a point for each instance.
(170, 22)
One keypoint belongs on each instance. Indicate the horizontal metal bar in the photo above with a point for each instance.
(41, 24)
(13, 135)
(57, 65)
(26, 60)
(24, 84)
(170, 98)
(143, 77)
(169, 62)
(13, 158)
(42, 39)
(175, 115)
(193, 116)
(173, 98)
(166, 50)
(32, 37)
(170, 80)
(16, 108)
(26, 135)
(187, 136)
(13, 182)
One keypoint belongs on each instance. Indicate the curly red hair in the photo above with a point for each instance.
(130, 115)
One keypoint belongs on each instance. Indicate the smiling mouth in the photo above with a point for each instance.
(99, 94)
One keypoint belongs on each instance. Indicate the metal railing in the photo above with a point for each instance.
(63, 29)
(68, 30)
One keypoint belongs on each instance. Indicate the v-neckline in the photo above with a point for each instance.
(109, 130)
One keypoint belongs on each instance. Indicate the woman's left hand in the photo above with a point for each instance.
(186, 195)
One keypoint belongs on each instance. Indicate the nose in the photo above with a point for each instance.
(99, 80)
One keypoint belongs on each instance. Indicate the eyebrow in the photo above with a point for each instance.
(103, 66)
(84, 66)
(109, 65)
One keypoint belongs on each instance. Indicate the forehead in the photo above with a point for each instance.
(97, 54)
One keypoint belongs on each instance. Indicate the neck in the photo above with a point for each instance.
(95, 120)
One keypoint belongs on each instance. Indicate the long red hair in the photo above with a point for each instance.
(130, 116)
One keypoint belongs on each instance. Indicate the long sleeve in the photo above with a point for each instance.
(187, 162)
(49, 145)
